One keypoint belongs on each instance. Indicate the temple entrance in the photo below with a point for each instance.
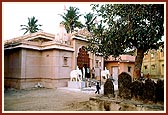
(83, 62)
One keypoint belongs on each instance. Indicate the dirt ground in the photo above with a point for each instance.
(42, 99)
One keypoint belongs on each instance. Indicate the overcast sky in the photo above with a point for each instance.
(15, 14)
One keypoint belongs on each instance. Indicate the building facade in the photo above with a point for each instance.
(46, 58)
(124, 63)
(153, 63)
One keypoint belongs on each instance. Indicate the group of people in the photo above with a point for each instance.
(86, 72)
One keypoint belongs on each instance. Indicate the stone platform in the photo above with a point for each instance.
(76, 85)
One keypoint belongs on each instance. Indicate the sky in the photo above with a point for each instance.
(15, 14)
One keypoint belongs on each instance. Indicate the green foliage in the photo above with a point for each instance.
(123, 26)
(89, 20)
(71, 18)
(31, 26)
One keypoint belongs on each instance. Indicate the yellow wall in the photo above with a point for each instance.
(153, 63)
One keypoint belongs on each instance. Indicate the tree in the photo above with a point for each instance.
(89, 20)
(71, 18)
(133, 26)
(31, 26)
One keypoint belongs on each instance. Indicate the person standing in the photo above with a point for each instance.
(97, 88)
(93, 72)
(88, 72)
(83, 69)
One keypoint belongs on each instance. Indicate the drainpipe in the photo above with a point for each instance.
(100, 71)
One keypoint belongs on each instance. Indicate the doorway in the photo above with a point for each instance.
(115, 74)
(83, 60)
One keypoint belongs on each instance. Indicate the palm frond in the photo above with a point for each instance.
(31, 26)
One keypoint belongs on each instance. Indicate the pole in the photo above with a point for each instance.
(100, 76)
(100, 71)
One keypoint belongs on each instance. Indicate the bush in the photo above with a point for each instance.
(137, 89)
(159, 92)
(108, 87)
(124, 85)
(149, 90)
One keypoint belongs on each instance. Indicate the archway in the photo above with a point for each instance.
(84, 61)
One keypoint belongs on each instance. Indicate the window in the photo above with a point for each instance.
(145, 67)
(65, 61)
(162, 69)
(129, 69)
(153, 66)
(97, 63)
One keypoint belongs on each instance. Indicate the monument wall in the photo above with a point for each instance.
(12, 68)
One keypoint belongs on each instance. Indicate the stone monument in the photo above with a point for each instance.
(76, 79)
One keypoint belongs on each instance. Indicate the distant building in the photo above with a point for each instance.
(124, 63)
(46, 59)
(153, 63)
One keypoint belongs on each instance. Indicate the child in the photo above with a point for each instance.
(97, 88)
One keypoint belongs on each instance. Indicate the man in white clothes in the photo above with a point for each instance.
(83, 72)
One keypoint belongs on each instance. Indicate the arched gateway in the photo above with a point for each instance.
(83, 60)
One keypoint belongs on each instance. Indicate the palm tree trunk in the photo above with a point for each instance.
(138, 63)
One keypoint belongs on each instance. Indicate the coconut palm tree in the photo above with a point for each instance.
(89, 20)
(31, 26)
(71, 18)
